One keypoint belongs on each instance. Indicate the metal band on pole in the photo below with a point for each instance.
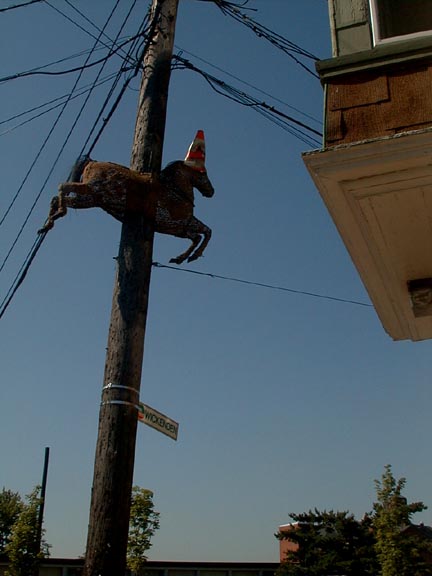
(119, 402)
(111, 386)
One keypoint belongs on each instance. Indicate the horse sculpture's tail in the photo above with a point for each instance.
(78, 168)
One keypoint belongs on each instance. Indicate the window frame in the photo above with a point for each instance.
(377, 40)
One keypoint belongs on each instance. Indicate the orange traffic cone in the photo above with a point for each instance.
(195, 158)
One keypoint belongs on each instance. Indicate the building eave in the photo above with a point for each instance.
(379, 195)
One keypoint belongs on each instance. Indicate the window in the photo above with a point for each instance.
(400, 19)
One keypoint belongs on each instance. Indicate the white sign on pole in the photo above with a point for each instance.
(157, 420)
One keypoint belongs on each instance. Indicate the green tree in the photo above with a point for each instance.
(11, 506)
(22, 549)
(329, 543)
(143, 523)
(400, 551)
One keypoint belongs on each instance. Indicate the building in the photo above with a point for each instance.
(286, 545)
(73, 567)
(374, 171)
(420, 532)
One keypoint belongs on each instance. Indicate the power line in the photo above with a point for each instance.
(236, 5)
(65, 59)
(262, 31)
(39, 71)
(101, 32)
(20, 5)
(38, 242)
(277, 40)
(262, 285)
(40, 152)
(113, 42)
(30, 257)
(22, 273)
(292, 125)
(59, 61)
(182, 50)
(147, 31)
(118, 76)
(57, 103)
(248, 99)
(84, 89)
(268, 111)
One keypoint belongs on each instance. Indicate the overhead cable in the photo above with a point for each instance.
(262, 31)
(288, 123)
(277, 40)
(20, 5)
(56, 103)
(22, 273)
(40, 72)
(262, 285)
(39, 154)
(182, 50)
(149, 36)
(240, 4)
(30, 257)
(102, 32)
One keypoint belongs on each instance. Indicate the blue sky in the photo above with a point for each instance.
(285, 401)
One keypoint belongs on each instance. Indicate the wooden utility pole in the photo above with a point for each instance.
(115, 449)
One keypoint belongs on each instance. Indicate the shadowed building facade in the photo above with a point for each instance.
(374, 171)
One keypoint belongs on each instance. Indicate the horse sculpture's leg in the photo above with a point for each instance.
(57, 210)
(196, 239)
(193, 231)
(60, 203)
(206, 232)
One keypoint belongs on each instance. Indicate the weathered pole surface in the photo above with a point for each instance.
(115, 448)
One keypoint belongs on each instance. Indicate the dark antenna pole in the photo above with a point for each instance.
(115, 448)
(42, 504)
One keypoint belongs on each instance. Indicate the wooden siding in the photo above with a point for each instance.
(350, 26)
(366, 105)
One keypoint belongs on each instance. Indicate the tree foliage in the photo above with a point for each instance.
(22, 548)
(400, 551)
(329, 543)
(11, 506)
(143, 523)
(384, 543)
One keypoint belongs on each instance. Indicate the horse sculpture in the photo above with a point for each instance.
(106, 185)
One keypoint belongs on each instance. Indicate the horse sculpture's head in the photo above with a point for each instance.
(174, 214)
(202, 183)
(183, 177)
